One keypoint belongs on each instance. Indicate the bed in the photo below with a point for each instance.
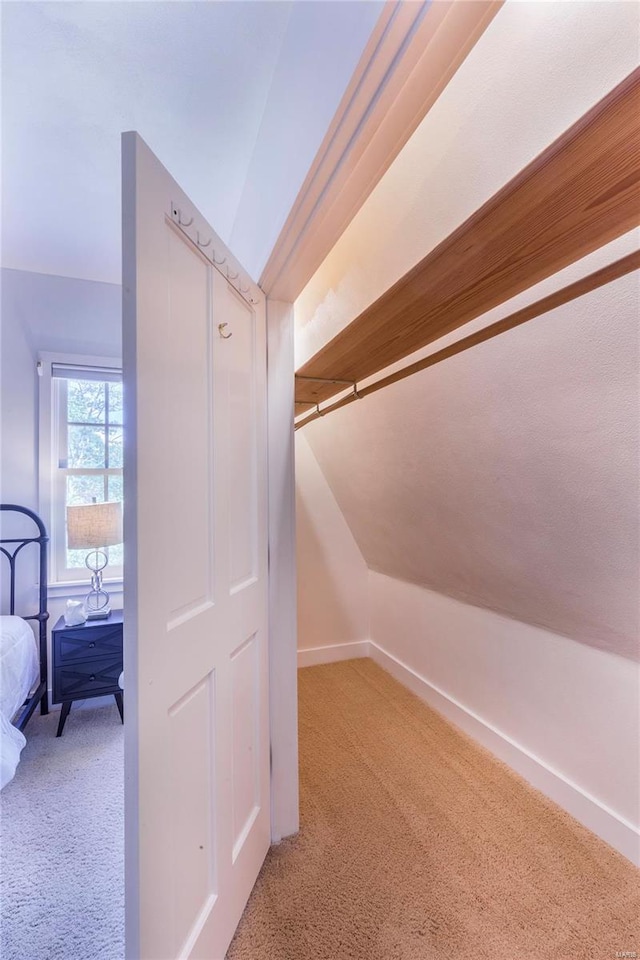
(23, 658)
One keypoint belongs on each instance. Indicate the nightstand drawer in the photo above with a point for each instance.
(80, 643)
(91, 678)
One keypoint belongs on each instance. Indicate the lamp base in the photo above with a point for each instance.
(103, 614)
(96, 604)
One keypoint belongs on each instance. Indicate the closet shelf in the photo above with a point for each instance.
(580, 193)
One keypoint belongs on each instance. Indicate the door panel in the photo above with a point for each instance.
(193, 820)
(188, 392)
(242, 452)
(246, 769)
(196, 643)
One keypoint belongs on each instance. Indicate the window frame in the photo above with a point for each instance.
(52, 493)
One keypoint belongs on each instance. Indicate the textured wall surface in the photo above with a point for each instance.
(333, 598)
(513, 676)
(507, 476)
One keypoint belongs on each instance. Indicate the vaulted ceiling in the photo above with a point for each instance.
(234, 97)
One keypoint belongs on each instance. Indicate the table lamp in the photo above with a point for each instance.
(92, 527)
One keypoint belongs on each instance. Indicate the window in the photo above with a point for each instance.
(84, 420)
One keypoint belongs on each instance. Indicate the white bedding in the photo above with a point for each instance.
(19, 673)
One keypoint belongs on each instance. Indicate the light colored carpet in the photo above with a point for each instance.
(62, 849)
(417, 845)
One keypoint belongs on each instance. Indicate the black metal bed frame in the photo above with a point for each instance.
(40, 693)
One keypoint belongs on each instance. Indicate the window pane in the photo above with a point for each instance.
(85, 401)
(116, 486)
(115, 446)
(116, 557)
(116, 554)
(115, 403)
(86, 446)
(82, 490)
(76, 558)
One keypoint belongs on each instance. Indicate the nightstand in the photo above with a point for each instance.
(87, 662)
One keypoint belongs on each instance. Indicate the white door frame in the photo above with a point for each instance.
(283, 639)
(365, 135)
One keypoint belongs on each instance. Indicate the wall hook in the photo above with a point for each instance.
(231, 275)
(218, 262)
(200, 242)
(225, 336)
(243, 289)
(184, 223)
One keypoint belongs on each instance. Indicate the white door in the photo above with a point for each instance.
(196, 645)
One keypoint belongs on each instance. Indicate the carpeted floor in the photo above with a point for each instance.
(61, 852)
(417, 845)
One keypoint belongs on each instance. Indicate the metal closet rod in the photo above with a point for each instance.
(585, 285)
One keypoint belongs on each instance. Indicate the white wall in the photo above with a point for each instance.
(18, 386)
(507, 476)
(332, 575)
(64, 314)
(18, 442)
(43, 313)
(561, 713)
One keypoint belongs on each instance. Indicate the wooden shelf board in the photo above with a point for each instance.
(582, 192)
(608, 274)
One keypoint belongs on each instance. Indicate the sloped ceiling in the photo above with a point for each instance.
(507, 476)
(234, 97)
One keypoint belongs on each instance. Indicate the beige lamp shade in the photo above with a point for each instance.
(94, 525)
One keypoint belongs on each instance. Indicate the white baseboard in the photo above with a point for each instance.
(589, 811)
(333, 654)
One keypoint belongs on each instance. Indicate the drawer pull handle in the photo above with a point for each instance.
(92, 644)
(92, 677)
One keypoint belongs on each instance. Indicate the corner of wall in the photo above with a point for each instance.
(333, 591)
(513, 687)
